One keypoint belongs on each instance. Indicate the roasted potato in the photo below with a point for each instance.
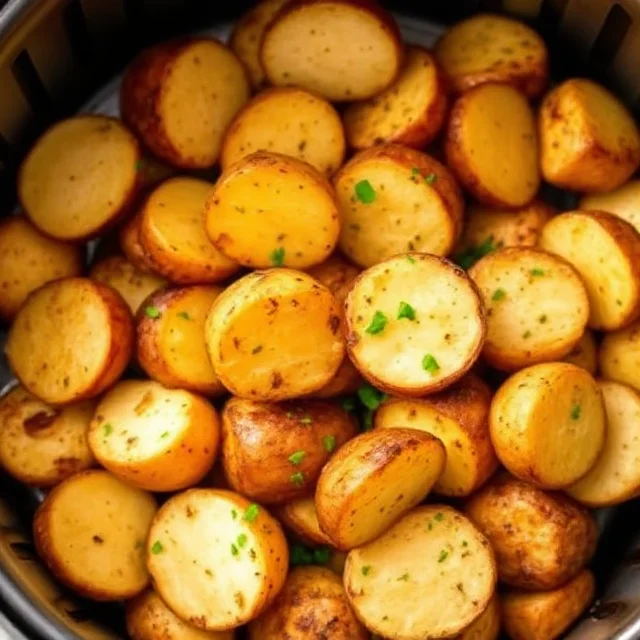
(487, 625)
(393, 200)
(432, 549)
(129, 240)
(584, 354)
(623, 202)
(619, 356)
(71, 339)
(588, 139)
(216, 578)
(90, 531)
(541, 539)
(301, 519)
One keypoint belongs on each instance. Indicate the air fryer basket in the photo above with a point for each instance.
(60, 56)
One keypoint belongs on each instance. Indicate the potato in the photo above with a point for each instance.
(273, 210)
(615, 477)
(180, 96)
(170, 339)
(541, 539)
(588, 139)
(254, 340)
(584, 354)
(312, 604)
(393, 200)
(373, 480)
(415, 324)
(491, 48)
(274, 453)
(216, 559)
(340, 49)
(154, 438)
(491, 146)
(547, 615)
(537, 307)
(410, 112)
(432, 550)
(487, 625)
(459, 418)
(173, 237)
(623, 202)
(148, 618)
(129, 240)
(71, 339)
(346, 380)
(619, 356)
(80, 177)
(301, 519)
(606, 253)
(90, 531)
(290, 121)
(28, 260)
(40, 445)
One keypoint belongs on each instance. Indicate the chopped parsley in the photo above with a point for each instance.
(108, 429)
(411, 259)
(297, 478)
(152, 312)
(576, 410)
(234, 514)
(234, 550)
(184, 315)
(377, 324)
(439, 517)
(277, 257)
(415, 172)
(306, 419)
(370, 397)
(468, 258)
(321, 555)
(165, 434)
(465, 543)
(432, 178)
(443, 556)
(297, 457)
(301, 555)
(242, 540)
(367, 420)
(537, 272)
(365, 192)
(366, 569)
(329, 443)
(430, 364)
(404, 577)
(405, 310)
(498, 294)
(251, 513)
(157, 548)
(348, 403)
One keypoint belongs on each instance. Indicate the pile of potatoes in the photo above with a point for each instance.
(368, 350)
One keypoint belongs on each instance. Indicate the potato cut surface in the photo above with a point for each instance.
(433, 549)
(619, 356)
(623, 202)
(584, 354)
(487, 625)
(300, 518)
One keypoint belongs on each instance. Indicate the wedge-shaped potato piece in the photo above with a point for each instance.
(129, 240)
(487, 625)
(71, 339)
(273, 210)
(623, 202)
(541, 539)
(415, 324)
(459, 418)
(492, 48)
(216, 559)
(154, 438)
(588, 139)
(255, 342)
(491, 146)
(301, 519)
(584, 354)
(311, 604)
(605, 250)
(91, 530)
(393, 200)
(180, 96)
(340, 49)
(290, 121)
(410, 112)
(537, 307)
(547, 615)
(619, 356)
(373, 480)
(274, 453)
(432, 549)
(615, 477)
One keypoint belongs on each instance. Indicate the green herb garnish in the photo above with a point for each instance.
(443, 556)
(321, 555)
(498, 294)
(242, 540)
(432, 178)
(277, 257)
(251, 513)
(157, 548)
(152, 312)
(297, 478)
(297, 457)
(365, 192)
(377, 324)
(430, 364)
(184, 315)
(406, 311)
(329, 443)
(468, 258)
(234, 550)
(576, 410)
(370, 397)
(108, 429)
(366, 569)
(537, 272)
(411, 259)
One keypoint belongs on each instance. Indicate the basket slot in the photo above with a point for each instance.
(625, 65)
(552, 11)
(611, 35)
(106, 23)
(15, 112)
(522, 8)
(77, 31)
(582, 23)
(33, 89)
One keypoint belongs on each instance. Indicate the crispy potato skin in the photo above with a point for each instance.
(487, 625)
(301, 519)
(129, 239)
(623, 202)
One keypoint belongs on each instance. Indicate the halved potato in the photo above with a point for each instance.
(273, 210)
(301, 519)
(216, 559)
(432, 550)
(274, 453)
(340, 49)
(410, 112)
(491, 48)
(71, 339)
(459, 418)
(623, 202)
(588, 139)
(154, 438)
(373, 480)
(487, 625)
(90, 531)
(619, 356)
(541, 539)
(584, 354)
(393, 200)
(180, 96)
(129, 240)
(491, 146)
(605, 250)
(415, 324)
(254, 338)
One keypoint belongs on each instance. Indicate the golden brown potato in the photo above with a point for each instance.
(90, 531)
(623, 202)
(301, 519)
(459, 418)
(80, 177)
(216, 578)
(487, 625)
(129, 240)
(619, 356)
(274, 453)
(180, 96)
(491, 146)
(311, 605)
(394, 199)
(71, 339)
(254, 339)
(346, 380)
(541, 539)
(584, 354)
(432, 550)
(588, 139)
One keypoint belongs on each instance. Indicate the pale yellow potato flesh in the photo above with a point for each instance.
(619, 356)
(585, 353)
(623, 202)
